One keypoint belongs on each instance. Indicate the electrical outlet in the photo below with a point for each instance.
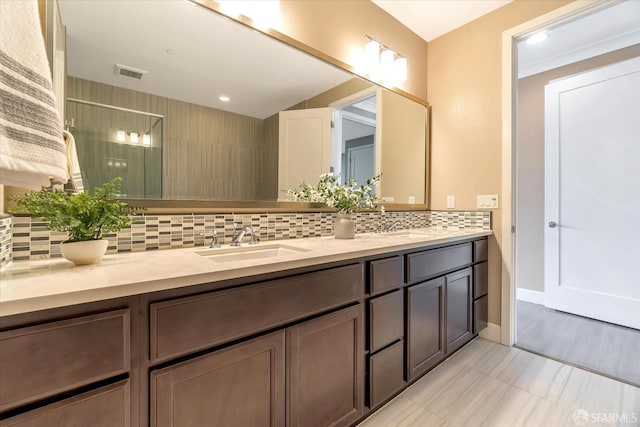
(451, 202)
(412, 199)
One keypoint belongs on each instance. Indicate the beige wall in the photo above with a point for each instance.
(464, 77)
(530, 164)
(338, 27)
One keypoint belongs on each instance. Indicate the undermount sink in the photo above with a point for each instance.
(401, 233)
(244, 253)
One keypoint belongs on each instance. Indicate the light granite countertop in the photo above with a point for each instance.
(28, 286)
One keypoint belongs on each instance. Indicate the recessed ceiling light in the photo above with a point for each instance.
(224, 98)
(537, 38)
(171, 51)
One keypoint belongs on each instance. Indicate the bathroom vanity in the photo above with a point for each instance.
(319, 337)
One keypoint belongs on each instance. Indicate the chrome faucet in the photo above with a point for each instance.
(215, 244)
(388, 229)
(239, 233)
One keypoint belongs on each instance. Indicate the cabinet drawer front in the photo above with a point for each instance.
(480, 313)
(40, 361)
(386, 274)
(242, 385)
(427, 264)
(480, 279)
(480, 250)
(386, 373)
(386, 324)
(105, 407)
(189, 324)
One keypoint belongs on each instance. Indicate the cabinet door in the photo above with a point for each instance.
(239, 386)
(325, 370)
(459, 309)
(425, 326)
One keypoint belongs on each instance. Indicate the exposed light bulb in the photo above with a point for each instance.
(146, 139)
(537, 38)
(400, 70)
(224, 98)
(372, 54)
(133, 137)
(120, 136)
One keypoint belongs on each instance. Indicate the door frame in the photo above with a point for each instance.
(509, 190)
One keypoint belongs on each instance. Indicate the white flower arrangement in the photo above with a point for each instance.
(346, 198)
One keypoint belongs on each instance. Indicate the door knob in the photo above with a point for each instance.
(552, 224)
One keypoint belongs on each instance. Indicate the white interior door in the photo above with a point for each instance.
(592, 194)
(304, 147)
(360, 161)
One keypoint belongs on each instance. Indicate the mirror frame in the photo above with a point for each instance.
(161, 206)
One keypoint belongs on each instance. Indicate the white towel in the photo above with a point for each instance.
(73, 165)
(31, 147)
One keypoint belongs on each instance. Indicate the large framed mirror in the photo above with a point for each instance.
(195, 109)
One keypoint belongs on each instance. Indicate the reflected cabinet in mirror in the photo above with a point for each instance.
(186, 104)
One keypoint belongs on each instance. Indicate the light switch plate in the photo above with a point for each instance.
(488, 201)
(451, 201)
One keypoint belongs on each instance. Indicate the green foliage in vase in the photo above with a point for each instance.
(346, 198)
(83, 216)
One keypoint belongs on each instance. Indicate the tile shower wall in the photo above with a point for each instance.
(32, 240)
(5, 240)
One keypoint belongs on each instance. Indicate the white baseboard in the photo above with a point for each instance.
(534, 297)
(491, 333)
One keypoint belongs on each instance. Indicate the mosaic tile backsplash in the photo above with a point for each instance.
(5, 240)
(32, 240)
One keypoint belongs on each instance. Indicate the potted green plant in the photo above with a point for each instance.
(346, 198)
(84, 216)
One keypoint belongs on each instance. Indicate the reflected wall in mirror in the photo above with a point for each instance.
(188, 58)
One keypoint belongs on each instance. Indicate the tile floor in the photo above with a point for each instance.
(487, 384)
(598, 346)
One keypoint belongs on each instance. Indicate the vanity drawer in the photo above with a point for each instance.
(386, 274)
(386, 320)
(480, 279)
(43, 360)
(480, 313)
(189, 324)
(428, 264)
(105, 407)
(480, 250)
(386, 370)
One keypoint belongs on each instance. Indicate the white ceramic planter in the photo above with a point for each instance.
(344, 227)
(82, 253)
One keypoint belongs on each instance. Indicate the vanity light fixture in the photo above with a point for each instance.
(120, 136)
(133, 137)
(381, 63)
(224, 98)
(146, 139)
(537, 38)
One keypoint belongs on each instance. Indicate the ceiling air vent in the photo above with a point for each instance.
(129, 72)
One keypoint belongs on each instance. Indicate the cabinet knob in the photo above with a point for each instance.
(552, 224)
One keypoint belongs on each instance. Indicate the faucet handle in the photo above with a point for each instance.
(254, 235)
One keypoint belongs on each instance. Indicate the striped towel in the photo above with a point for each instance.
(31, 147)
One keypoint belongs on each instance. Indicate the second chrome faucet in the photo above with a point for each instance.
(239, 233)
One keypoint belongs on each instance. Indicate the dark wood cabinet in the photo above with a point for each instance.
(242, 385)
(325, 370)
(386, 373)
(386, 320)
(459, 314)
(315, 346)
(425, 326)
(105, 407)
